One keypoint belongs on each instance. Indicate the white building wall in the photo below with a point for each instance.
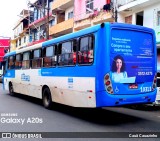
(149, 15)
(121, 18)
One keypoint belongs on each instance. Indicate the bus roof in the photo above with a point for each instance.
(130, 26)
(10, 53)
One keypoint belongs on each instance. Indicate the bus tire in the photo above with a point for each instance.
(11, 90)
(47, 99)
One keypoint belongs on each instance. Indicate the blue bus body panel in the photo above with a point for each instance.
(104, 100)
(75, 71)
(103, 60)
(10, 74)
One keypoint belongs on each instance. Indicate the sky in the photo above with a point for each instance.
(9, 11)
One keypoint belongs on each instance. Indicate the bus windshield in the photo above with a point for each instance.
(131, 42)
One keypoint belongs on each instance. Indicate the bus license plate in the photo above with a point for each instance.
(133, 86)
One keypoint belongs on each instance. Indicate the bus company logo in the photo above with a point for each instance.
(70, 80)
(9, 74)
(25, 77)
(70, 83)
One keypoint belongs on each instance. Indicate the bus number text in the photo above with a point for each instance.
(146, 89)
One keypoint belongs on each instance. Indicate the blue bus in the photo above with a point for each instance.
(109, 64)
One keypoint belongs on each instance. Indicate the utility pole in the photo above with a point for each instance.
(115, 11)
(116, 15)
(47, 20)
(46, 16)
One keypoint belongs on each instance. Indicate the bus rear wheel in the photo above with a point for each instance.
(47, 99)
(11, 90)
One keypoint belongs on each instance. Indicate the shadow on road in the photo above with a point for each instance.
(98, 116)
(144, 107)
(94, 115)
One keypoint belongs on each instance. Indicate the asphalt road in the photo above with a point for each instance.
(33, 117)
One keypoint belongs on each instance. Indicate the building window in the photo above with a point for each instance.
(42, 33)
(24, 39)
(158, 18)
(52, 22)
(89, 6)
(50, 5)
(16, 43)
(19, 42)
(70, 15)
(35, 14)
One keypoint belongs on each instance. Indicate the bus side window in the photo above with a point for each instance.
(11, 63)
(37, 58)
(18, 62)
(26, 60)
(67, 53)
(85, 53)
(48, 54)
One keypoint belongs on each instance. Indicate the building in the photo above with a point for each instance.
(21, 32)
(91, 12)
(140, 12)
(40, 20)
(4, 46)
(63, 11)
(144, 13)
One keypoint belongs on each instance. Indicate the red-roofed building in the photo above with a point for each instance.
(4, 46)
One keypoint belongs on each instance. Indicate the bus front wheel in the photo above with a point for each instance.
(47, 99)
(11, 90)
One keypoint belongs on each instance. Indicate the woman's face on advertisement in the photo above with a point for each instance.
(119, 63)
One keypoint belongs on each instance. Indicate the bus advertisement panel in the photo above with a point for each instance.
(132, 60)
